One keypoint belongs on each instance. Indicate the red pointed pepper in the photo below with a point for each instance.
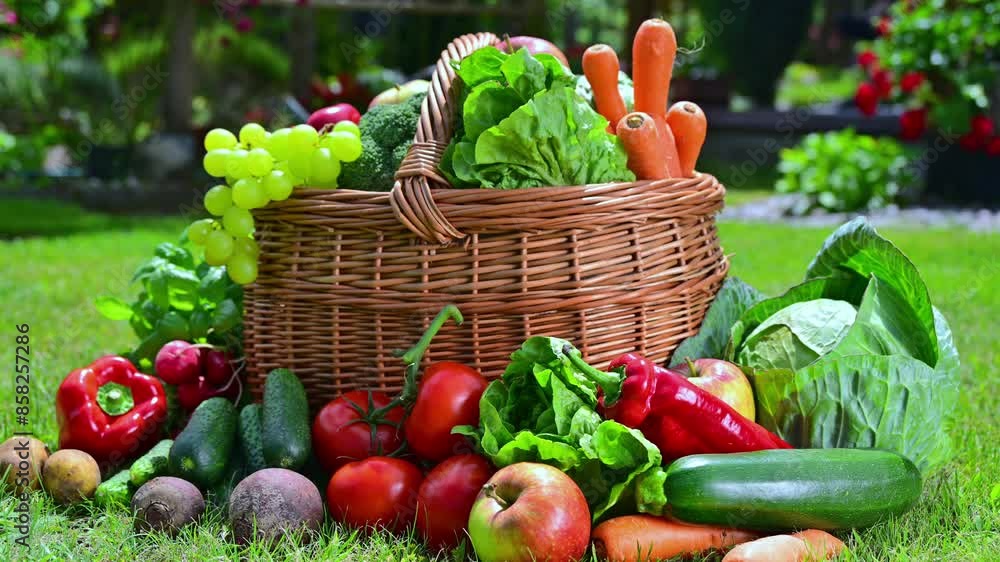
(677, 416)
(110, 410)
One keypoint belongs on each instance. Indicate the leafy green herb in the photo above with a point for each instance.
(179, 300)
(544, 410)
(524, 125)
(856, 356)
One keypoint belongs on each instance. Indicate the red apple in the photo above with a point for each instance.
(333, 114)
(722, 379)
(527, 512)
(535, 45)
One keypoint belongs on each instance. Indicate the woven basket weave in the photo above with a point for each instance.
(346, 277)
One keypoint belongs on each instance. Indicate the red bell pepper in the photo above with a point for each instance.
(677, 416)
(110, 410)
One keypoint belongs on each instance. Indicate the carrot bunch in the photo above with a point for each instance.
(660, 143)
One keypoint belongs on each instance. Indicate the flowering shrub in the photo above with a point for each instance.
(941, 58)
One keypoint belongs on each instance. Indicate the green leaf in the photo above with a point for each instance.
(486, 106)
(174, 254)
(948, 362)
(113, 308)
(173, 326)
(481, 66)
(525, 75)
(857, 248)
(226, 317)
(213, 284)
(733, 299)
(863, 401)
(995, 493)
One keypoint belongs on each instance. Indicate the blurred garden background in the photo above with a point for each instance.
(838, 106)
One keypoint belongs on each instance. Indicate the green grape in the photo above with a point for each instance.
(236, 166)
(259, 162)
(253, 135)
(323, 166)
(216, 162)
(302, 138)
(343, 145)
(246, 246)
(299, 163)
(219, 138)
(347, 127)
(242, 269)
(218, 247)
(199, 230)
(278, 185)
(218, 199)
(277, 144)
(283, 168)
(248, 193)
(238, 222)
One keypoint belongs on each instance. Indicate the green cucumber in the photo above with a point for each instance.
(792, 489)
(114, 490)
(250, 438)
(201, 452)
(154, 463)
(285, 431)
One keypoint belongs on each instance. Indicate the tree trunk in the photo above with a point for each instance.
(302, 50)
(182, 18)
(638, 12)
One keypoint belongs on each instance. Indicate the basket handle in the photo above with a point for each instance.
(411, 198)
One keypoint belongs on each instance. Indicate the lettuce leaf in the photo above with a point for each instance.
(524, 125)
(544, 410)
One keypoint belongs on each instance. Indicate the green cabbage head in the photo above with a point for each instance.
(798, 334)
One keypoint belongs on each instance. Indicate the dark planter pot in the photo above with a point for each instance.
(958, 176)
(109, 162)
(706, 92)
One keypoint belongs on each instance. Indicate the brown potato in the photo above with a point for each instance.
(21, 460)
(70, 476)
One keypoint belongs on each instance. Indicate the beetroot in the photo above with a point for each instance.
(178, 362)
(216, 367)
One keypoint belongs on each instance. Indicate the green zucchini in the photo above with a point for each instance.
(792, 489)
(286, 436)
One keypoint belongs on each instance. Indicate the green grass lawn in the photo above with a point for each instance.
(50, 283)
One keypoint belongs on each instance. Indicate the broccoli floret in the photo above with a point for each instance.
(386, 134)
(392, 125)
(372, 171)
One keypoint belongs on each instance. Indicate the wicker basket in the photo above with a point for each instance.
(346, 277)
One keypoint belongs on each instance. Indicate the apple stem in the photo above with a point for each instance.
(490, 491)
(691, 368)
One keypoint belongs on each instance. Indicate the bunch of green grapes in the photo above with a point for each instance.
(260, 167)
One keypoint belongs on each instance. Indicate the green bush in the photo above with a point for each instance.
(843, 171)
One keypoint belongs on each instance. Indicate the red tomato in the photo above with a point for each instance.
(375, 492)
(449, 396)
(446, 497)
(340, 435)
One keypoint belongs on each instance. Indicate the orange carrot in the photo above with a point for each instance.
(689, 125)
(822, 545)
(644, 146)
(600, 66)
(632, 538)
(654, 49)
(779, 548)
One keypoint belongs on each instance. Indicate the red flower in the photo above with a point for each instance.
(911, 81)
(993, 147)
(244, 24)
(866, 99)
(970, 142)
(867, 59)
(913, 124)
(882, 79)
(884, 27)
(981, 126)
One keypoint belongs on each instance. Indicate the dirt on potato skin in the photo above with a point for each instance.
(167, 504)
(71, 476)
(11, 459)
(275, 502)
